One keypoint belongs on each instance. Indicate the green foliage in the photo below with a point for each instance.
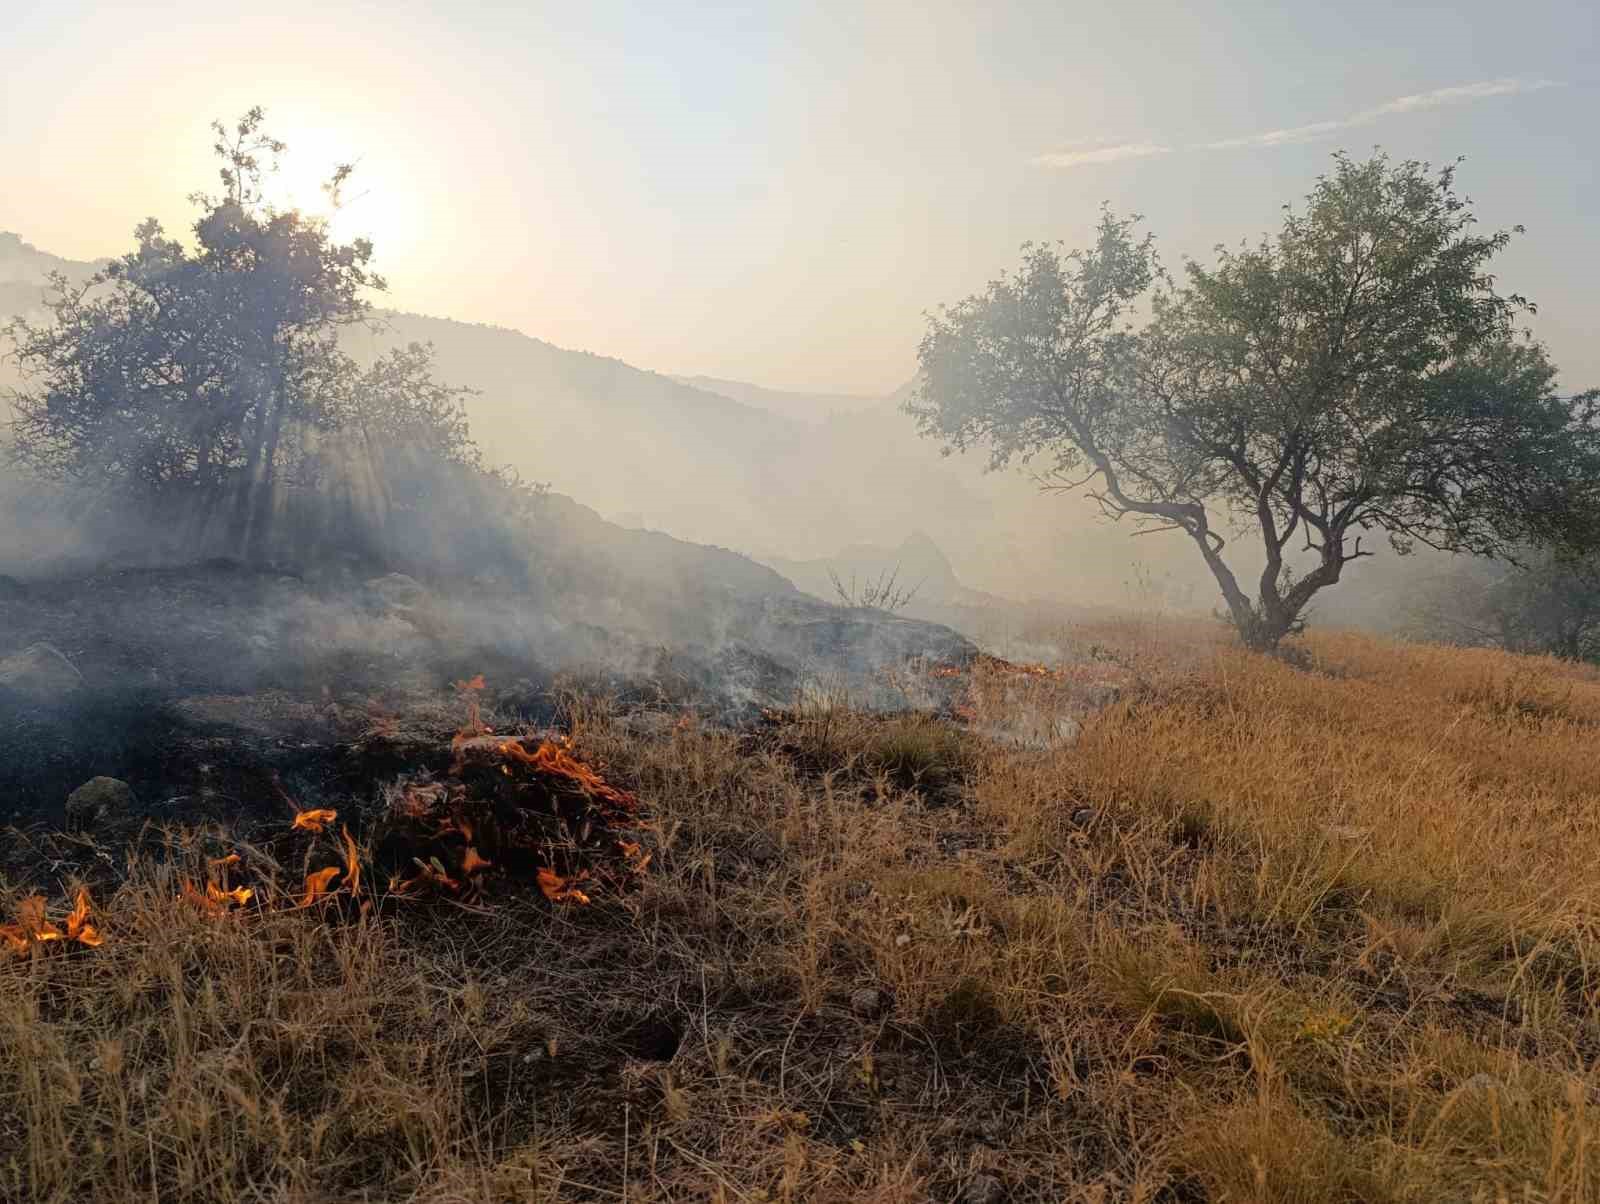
(1357, 372)
(207, 383)
(1545, 601)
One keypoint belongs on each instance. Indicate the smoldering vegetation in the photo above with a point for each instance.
(385, 825)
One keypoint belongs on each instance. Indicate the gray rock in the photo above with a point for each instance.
(1083, 817)
(41, 670)
(983, 1189)
(866, 1002)
(98, 803)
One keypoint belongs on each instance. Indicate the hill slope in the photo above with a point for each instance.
(732, 464)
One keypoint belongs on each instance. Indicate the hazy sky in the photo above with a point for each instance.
(776, 192)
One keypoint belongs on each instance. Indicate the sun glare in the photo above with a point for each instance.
(370, 204)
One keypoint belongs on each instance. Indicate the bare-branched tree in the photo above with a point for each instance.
(883, 592)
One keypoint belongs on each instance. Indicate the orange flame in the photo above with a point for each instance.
(30, 914)
(556, 761)
(473, 862)
(317, 885)
(78, 927)
(558, 889)
(215, 900)
(315, 819)
(352, 862)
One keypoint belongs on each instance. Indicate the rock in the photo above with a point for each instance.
(1483, 1082)
(398, 591)
(98, 802)
(983, 1189)
(40, 670)
(1083, 817)
(858, 890)
(866, 1002)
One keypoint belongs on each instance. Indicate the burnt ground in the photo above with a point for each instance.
(220, 692)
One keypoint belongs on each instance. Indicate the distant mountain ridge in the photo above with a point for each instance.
(798, 404)
(715, 461)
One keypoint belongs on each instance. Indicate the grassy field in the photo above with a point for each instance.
(1324, 932)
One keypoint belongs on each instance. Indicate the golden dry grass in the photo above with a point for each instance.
(1314, 934)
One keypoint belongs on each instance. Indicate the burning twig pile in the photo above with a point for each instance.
(511, 813)
(505, 814)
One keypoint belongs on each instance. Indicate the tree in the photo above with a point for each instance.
(1358, 372)
(208, 384)
(1547, 601)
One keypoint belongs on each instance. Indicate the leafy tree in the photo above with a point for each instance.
(209, 383)
(1358, 372)
(1547, 601)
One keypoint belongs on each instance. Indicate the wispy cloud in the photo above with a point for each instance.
(1082, 153)
(1435, 99)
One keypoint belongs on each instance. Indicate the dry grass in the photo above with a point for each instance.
(1259, 933)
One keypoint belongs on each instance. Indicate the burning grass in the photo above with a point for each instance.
(1258, 933)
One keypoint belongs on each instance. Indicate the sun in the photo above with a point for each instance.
(372, 203)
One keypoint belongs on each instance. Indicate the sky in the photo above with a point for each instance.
(776, 193)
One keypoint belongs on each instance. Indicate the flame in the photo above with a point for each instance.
(558, 889)
(30, 915)
(214, 900)
(33, 928)
(555, 761)
(317, 885)
(429, 873)
(315, 819)
(222, 863)
(352, 862)
(78, 927)
(473, 862)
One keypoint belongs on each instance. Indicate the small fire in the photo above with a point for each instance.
(352, 861)
(314, 820)
(561, 890)
(33, 928)
(317, 885)
(78, 926)
(215, 900)
(506, 808)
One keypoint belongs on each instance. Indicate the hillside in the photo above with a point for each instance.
(1258, 934)
(733, 464)
(805, 407)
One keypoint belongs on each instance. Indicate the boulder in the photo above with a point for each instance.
(98, 803)
(40, 670)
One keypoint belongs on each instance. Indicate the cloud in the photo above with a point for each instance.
(1437, 98)
(1081, 154)
(1085, 153)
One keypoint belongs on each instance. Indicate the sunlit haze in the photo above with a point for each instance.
(776, 193)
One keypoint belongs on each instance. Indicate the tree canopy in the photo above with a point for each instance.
(1357, 372)
(207, 382)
